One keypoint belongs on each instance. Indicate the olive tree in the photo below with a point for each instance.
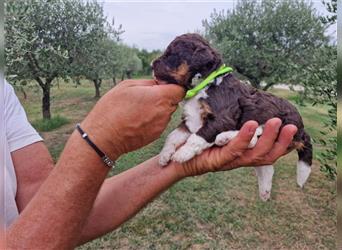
(131, 62)
(43, 38)
(100, 59)
(267, 41)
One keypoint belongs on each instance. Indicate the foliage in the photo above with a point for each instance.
(100, 59)
(146, 59)
(332, 9)
(131, 62)
(45, 125)
(43, 38)
(267, 41)
(320, 81)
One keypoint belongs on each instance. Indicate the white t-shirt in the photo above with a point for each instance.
(17, 133)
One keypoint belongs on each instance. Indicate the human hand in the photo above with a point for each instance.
(236, 153)
(131, 115)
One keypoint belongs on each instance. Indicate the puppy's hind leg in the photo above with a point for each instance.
(173, 140)
(265, 175)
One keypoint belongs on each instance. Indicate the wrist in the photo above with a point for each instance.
(99, 134)
(177, 170)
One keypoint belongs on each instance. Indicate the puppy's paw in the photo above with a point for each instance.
(224, 137)
(265, 195)
(257, 134)
(165, 156)
(183, 154)
(253, 142)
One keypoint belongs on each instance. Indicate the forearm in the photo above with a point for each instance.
(57, 213)
(122, 196)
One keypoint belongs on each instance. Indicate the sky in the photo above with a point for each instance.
(152, 24)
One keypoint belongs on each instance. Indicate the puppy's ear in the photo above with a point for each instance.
(204, 61)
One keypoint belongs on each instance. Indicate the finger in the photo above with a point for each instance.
(279, 148)
(171, 91)
(285, 138)
(240, 143)
(268, 137)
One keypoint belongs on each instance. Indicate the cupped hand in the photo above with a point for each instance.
(270, 146)
(131, 115)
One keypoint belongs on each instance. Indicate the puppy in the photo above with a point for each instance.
(216, 113)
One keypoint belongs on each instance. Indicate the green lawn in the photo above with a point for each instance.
(213, 211)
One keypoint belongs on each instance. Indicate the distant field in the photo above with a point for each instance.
(213, 211)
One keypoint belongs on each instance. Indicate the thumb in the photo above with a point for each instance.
(171, 91)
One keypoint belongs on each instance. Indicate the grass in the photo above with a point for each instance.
(45, 125)
(213, 211)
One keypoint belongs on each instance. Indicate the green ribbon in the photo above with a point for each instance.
(194, 91)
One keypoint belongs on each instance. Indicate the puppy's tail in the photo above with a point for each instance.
(305, 159)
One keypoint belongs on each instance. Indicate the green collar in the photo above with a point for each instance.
(194, 91)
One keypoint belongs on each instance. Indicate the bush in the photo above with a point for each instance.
(44, 125)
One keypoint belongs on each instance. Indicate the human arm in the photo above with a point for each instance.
(122, 196)
(55, 216)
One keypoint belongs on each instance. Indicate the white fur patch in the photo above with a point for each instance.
(173, 140)
(196, 79)
(303, 172)
(193, 146)
(265, 175)
(225, 137)
(192, 112)
(218, 80)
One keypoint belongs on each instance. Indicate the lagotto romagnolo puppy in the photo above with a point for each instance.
(215, 114)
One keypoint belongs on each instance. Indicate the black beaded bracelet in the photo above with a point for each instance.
(106, 160)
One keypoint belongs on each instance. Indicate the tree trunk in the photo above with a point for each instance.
(77, 81)
(114, 81)
(255, 82)
(97, 84)
(24, 92)
(123, 76)
(46, 101)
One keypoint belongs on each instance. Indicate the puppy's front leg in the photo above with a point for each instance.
(173, 140)
(193, 146)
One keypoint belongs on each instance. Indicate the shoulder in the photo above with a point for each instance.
(19, 131)
(10, 97)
